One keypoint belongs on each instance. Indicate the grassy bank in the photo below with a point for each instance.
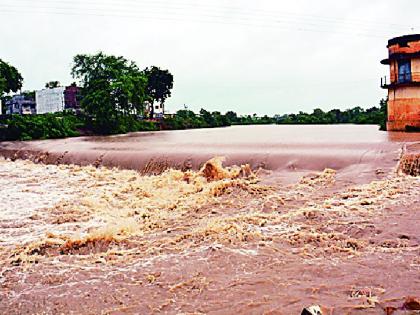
(63, 125)
(48, 126)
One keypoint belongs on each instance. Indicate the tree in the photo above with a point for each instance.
(10, 78)
(159, 85)
(383, 116)
(232, 116)
(113, 89)
(207, 117)
(29, 94)
(52, 84)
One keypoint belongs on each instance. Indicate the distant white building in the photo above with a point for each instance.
(50, 100)
(158, 110)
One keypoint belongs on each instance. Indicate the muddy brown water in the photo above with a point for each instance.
(271, 147)
(93, 240)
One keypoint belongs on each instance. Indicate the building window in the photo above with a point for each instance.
(404, 71)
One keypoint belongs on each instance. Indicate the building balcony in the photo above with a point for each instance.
(403, 80)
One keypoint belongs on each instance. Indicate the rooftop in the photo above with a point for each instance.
(403, 40)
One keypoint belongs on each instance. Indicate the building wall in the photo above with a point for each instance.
(20, 105)
(159, 110)
(403, 108)
(50, 100)
(71, 97)
(415, 69)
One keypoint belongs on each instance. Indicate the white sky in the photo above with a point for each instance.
(264, 57)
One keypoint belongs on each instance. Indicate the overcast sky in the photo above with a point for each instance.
(264, 57)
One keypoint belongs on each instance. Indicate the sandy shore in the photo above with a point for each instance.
(93, 240)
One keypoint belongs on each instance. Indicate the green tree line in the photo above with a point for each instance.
(185, 119)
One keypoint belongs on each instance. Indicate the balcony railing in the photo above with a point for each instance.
(384, 82)
(403, 78)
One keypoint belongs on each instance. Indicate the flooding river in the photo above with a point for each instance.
(320, 216)
(272, 147)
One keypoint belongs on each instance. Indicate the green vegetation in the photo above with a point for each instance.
(187, 119)
(250, 120)
(113, 91)
(47, 126)
(52, 84)
(60, 125)
(10, 78)
(357, 115)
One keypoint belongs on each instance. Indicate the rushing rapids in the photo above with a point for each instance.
(210, 239)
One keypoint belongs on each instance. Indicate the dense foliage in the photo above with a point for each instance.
(10, 78)
(113, 90)
(187, 119)
(60, 125)
(52, 84)
(46, 126)
(357, 115)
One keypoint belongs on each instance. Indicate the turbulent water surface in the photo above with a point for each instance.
(320, 216)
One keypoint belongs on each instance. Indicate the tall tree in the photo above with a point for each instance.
(159, 85)
(10, 78)
(112, 88)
